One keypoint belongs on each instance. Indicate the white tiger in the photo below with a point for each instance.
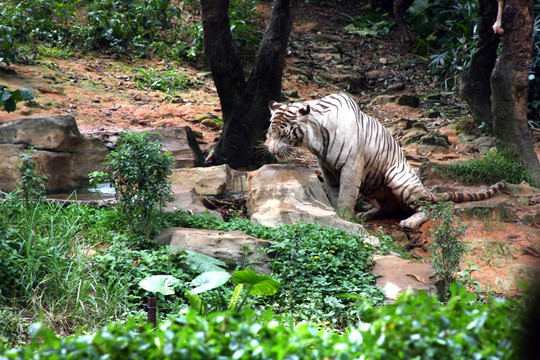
(357, 155)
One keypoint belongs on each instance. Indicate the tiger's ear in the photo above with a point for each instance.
(305, 110)
(273, 105)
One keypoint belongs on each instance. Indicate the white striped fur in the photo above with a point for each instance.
(357, 155)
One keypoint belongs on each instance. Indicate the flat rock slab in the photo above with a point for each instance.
(185, 198)
(212, 181)
(396, 275)
(232, 247)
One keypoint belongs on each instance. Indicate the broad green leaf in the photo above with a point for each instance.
(258, 284)
(235, 296)
(209, 280)
(195, 302)
(10, 105)
(4, 95)
(163, 284)
(27, 94)
(203, 263)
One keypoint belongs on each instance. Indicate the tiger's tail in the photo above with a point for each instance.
(458, 197)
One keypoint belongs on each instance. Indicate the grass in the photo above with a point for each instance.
(169, 81)
(496, 165)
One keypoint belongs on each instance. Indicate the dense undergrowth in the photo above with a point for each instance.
(72, 275)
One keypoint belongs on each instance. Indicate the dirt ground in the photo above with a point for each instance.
(101, 93)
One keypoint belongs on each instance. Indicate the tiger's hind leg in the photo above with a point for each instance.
(415, 221)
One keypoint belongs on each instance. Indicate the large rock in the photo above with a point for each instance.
(181, 143)
(212, 181)
(286, 194)
(185, 197)
(233, 247)
(396, 275)
(63, 152)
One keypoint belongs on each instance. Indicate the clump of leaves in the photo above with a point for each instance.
(416, 326)
(372, 24)
(447, 247)
(169, 81)
(496, 165)
(139, 174)
(319, 268)
(9, 99)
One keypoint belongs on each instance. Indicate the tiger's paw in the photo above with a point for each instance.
(414, 222)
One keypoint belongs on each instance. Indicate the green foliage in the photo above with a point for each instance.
(496, 165)
(447, 247)
(316, 266)
(372, 24)
(163, 284)
(416, 326)
(31, 187)
(134, 27)
(7, 46)
(139, 174)
(9, 99)
(169, 81)
(446, 33)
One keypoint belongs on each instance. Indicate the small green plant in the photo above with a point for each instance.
(372, 24)
(447, 247)
(139, 173)
(169, 81)
(9, 99)
(496, 165)
(31, 185)
(214, 276)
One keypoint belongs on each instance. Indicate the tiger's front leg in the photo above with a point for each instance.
(349, 187)
(331, 185)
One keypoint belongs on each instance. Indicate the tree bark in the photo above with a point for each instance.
(245, 103)
(509, 82)
(475, 84)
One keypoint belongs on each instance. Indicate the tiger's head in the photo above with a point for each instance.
(287, 128)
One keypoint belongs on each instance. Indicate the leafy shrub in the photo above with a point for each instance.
(139, 174)
(447, 247)
(496, 165)
(415, 327)
(9, 99)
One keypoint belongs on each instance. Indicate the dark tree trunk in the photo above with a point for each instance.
(245, 103)
(475, 84)
(509, 82)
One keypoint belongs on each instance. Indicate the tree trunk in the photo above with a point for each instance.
(475, 85)
(509, 82)
(245, 103)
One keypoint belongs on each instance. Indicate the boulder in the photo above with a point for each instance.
(184, 197)
(396, 275)
(63, 153)
(212, 181)
(233, 247)
(285, 194)
(181, 143)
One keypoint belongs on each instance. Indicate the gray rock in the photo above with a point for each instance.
(286, 194)
(233, 247)
(183, 145)
(63, 153)
(213, 181)
(186, 198)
